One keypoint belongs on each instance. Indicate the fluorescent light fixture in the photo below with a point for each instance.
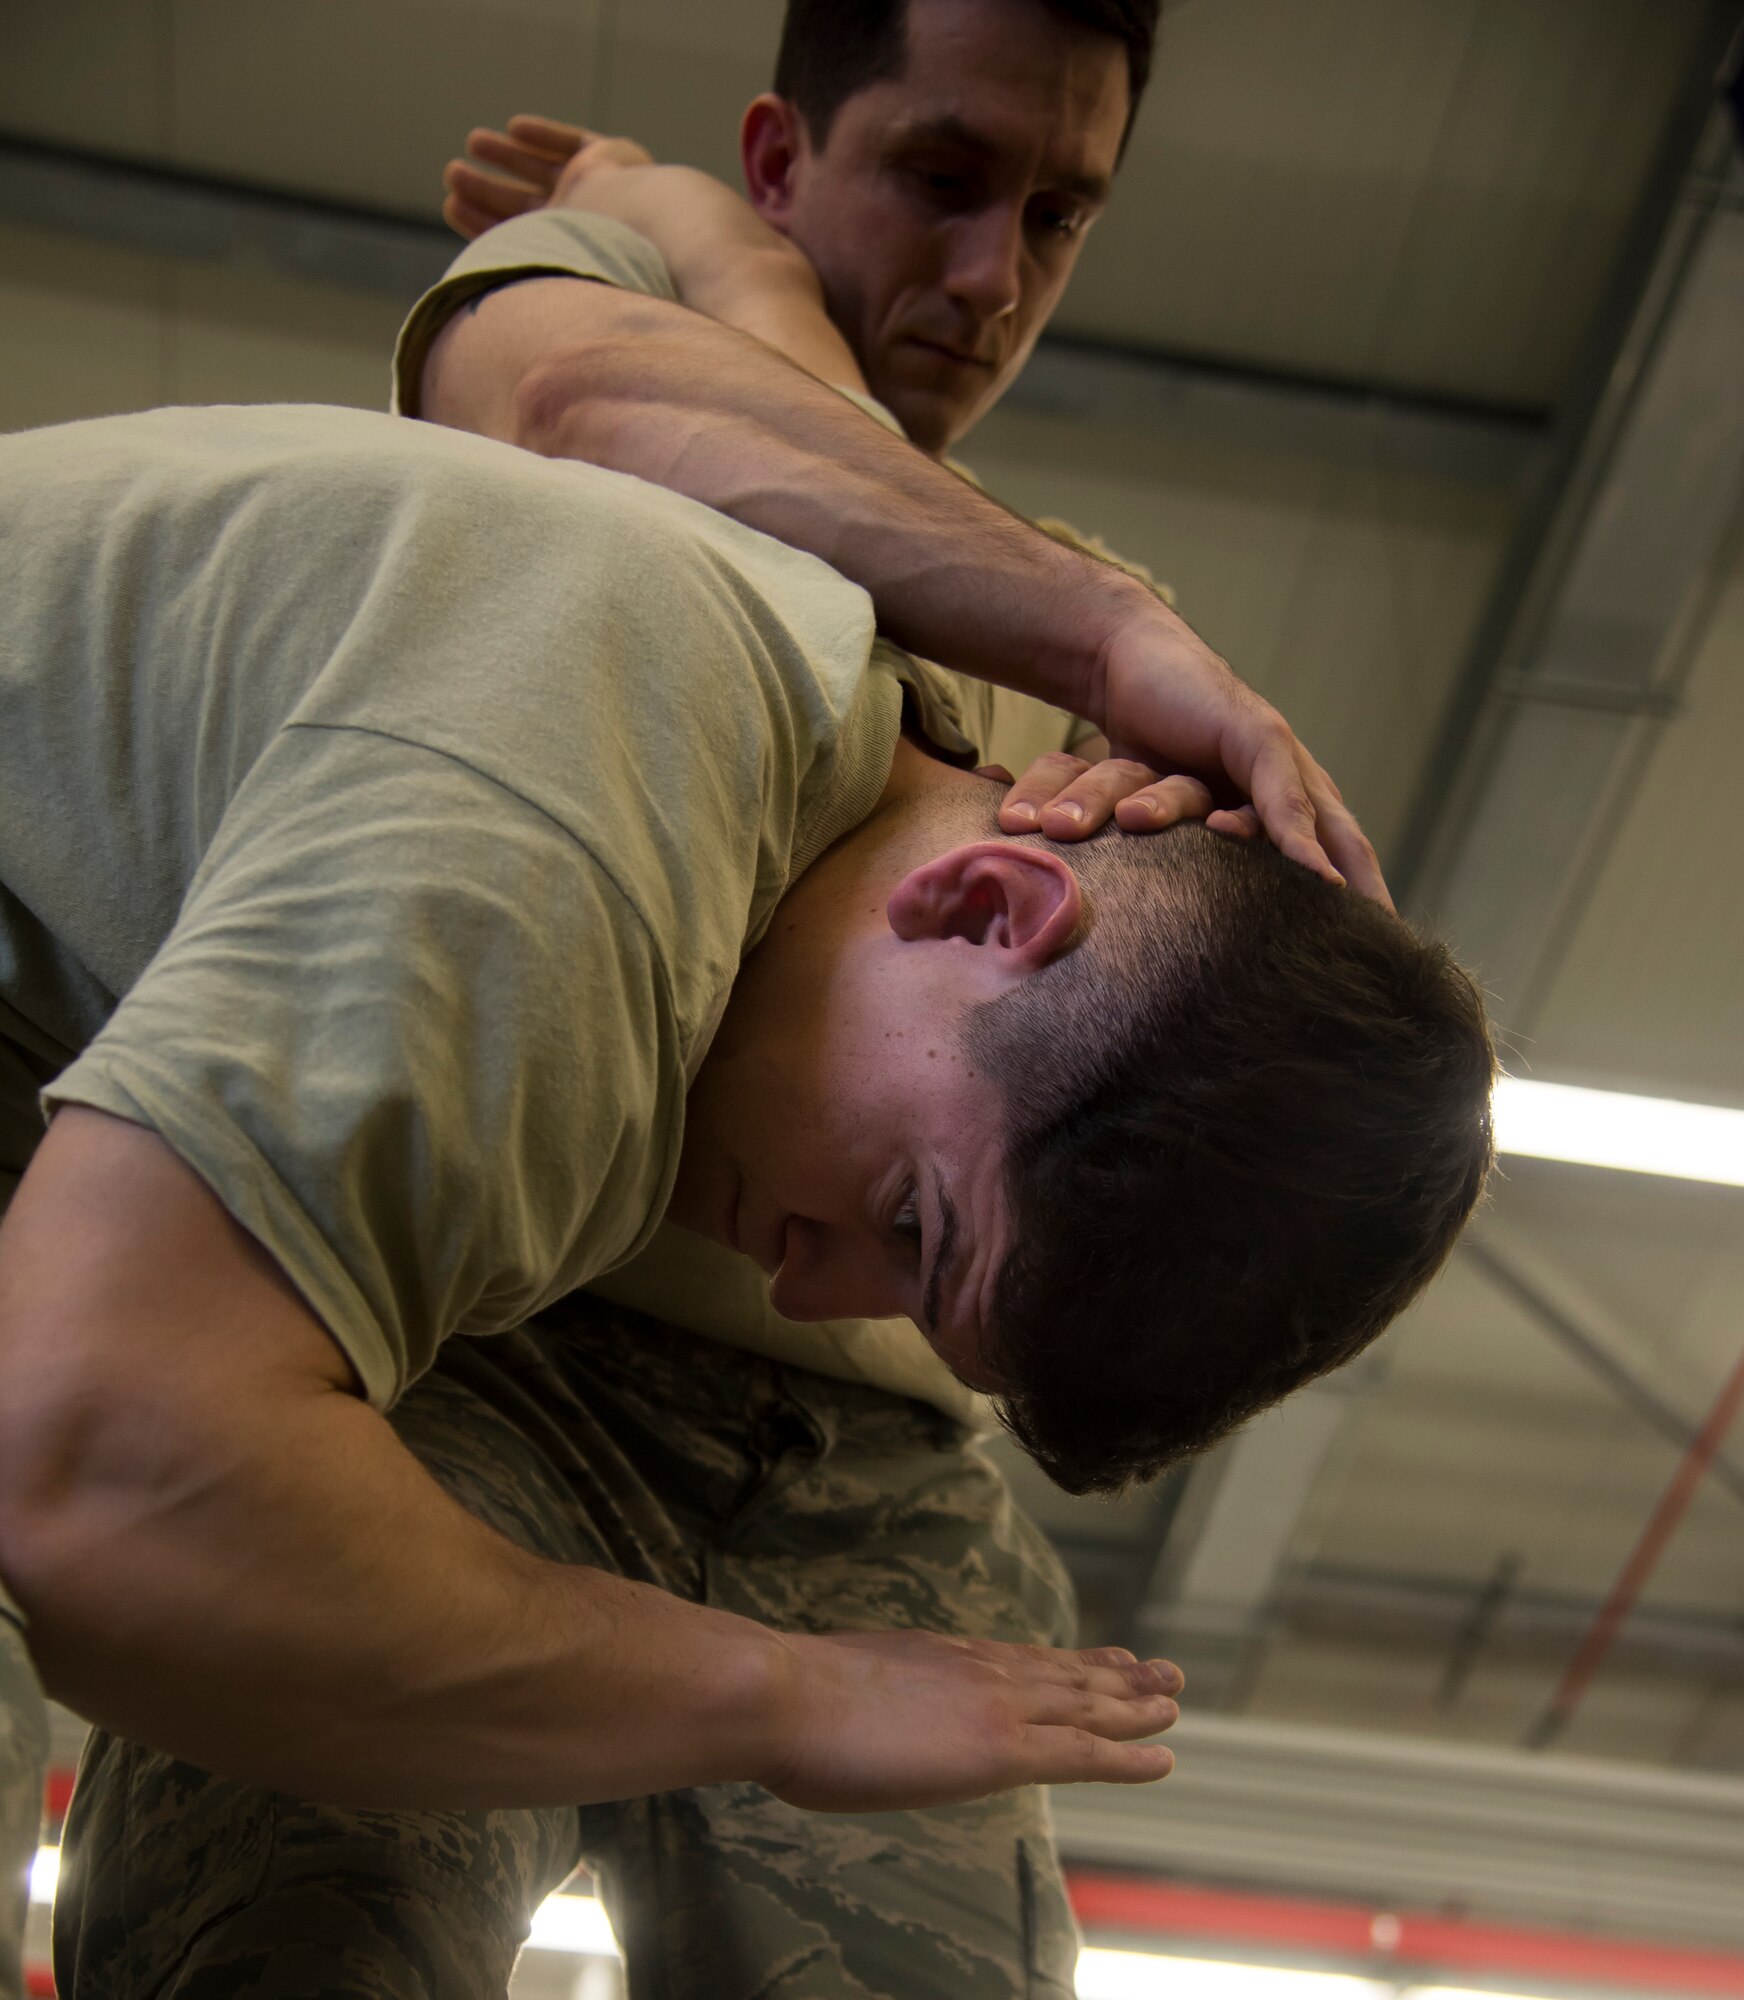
(1144, 1975)
(1608, 1128)
(1461, 1993)
(573, 1923)
(45, 1872)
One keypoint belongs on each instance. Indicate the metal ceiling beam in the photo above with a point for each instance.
(170, 213)
(1212, 1598)
(1601, 597)
(1532, 1287)
(1434, 1615)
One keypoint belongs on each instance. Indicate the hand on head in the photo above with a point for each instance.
(1166, 696)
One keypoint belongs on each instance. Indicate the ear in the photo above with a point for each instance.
(1023, 902)
(771, 146)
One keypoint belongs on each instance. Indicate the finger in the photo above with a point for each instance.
(1046, 778)
(1239, 822)
(1120, 1678)
(1165, 803)
(465, 220)
(1345, 841)
(1281, 799)
(496, 149)
(1120, 1719)
(1074, 1659)
(1089, 802)
(550, 136)
(1170, 1678)
(1068, 1756)
(492, 196)
(997, 772)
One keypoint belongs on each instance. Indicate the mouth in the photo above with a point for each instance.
(954, 356)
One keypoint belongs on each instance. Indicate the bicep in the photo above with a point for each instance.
(478, 362)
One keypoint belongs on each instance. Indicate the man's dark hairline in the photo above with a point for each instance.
(819, 129)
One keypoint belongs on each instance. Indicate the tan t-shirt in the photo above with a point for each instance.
(384, 813)
(681, 1278)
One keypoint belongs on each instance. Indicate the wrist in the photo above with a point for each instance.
(1102, 605)
(752, 1698)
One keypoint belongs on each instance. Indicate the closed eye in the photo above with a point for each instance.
(1063, 222)
(906, 1221)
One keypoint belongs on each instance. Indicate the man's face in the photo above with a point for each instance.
(947, 207)
(837, 1136)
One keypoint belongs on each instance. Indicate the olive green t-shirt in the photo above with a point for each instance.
(384, 813)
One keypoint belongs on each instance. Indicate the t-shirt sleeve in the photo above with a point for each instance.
(414, 1037)
(549, 243)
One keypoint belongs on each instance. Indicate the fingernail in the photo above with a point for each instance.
(1021, 811)
(1070, 811)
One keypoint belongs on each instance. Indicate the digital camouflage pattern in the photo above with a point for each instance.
(23, 1760)
(598, 1436)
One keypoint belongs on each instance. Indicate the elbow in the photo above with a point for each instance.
(87, 1467)
(549, 407)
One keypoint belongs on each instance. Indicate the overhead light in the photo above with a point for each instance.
(573, 1923)
(1609, 1128)
(1145, 1975)
(45, 1872)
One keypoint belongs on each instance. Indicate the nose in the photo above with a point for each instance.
(836, 1273)
(986, 269)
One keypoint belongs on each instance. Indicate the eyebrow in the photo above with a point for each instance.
(942, 1255)
(950, 130)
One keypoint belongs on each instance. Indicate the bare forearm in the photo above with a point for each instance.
(656, 391)
(319, 1616)
(227, 1554)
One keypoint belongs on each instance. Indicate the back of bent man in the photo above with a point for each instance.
(341, 837)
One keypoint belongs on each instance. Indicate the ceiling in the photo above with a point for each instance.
(1360, 274)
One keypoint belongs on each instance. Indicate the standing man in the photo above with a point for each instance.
(938, 164)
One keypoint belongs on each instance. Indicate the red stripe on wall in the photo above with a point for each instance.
(1394, 1939)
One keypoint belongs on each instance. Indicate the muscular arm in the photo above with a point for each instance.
(581, 370)
(225, 1553)
(578, 370)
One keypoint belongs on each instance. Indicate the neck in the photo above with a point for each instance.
(926, 805)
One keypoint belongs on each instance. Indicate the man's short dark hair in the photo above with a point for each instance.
(831, 49)
(1267, 1117)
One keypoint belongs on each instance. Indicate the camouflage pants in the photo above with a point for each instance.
(23, 1758)
(596, 1436)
